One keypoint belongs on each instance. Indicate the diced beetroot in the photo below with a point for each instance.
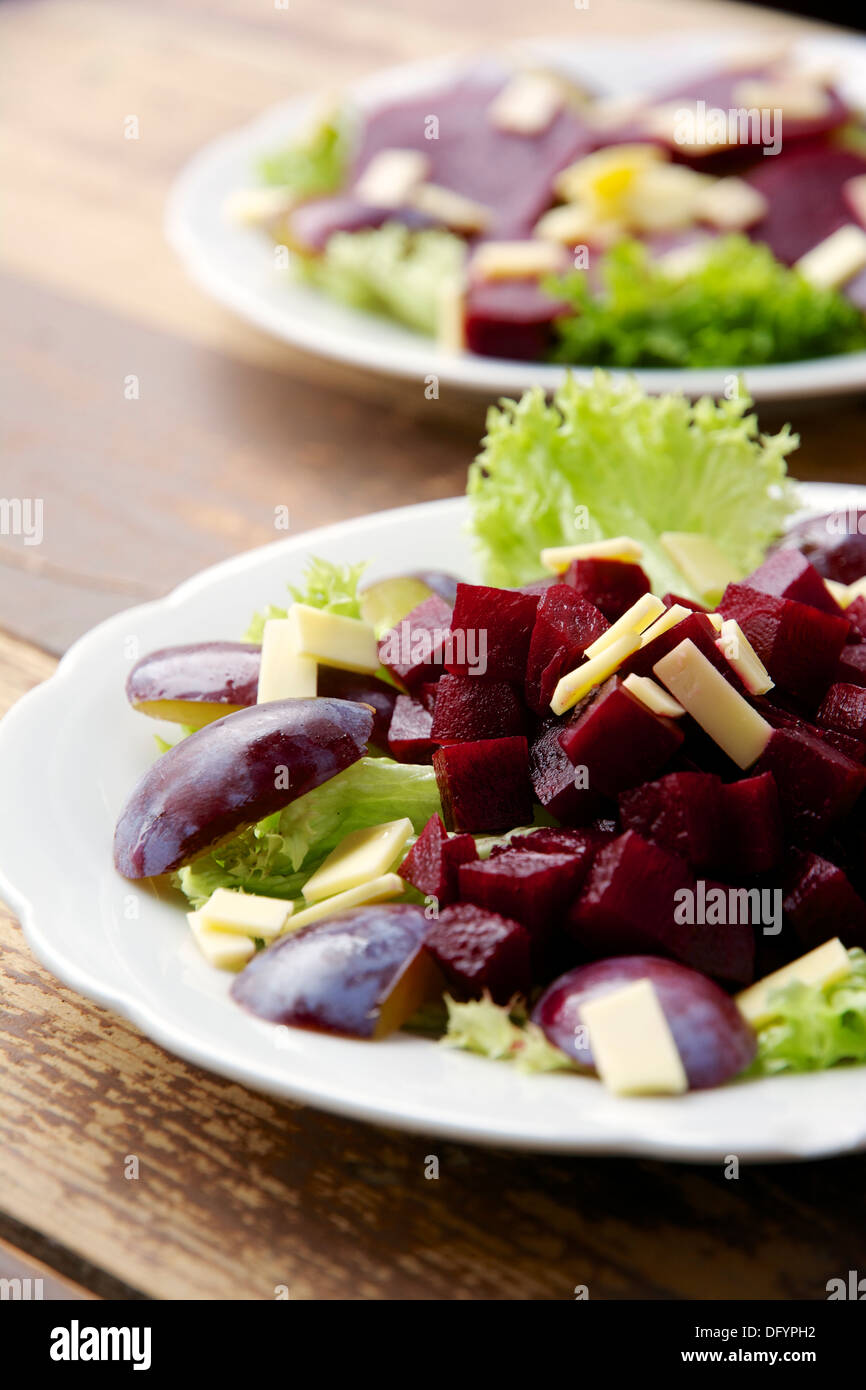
(856, 615)
(844, 710)
(554, 779)
(549, 839)
(835, 544)
(490, 632)
(619, 741)
(612, 585)
(535, 889)
(365, 690)
(565, 625)
(753, 840)
(426, 693)
(852, 665)
(432, 863)
(782, 718)
(695, 628)
(674, 600)
(804, 189)
(478, 950)
(681, 812)
(510, 318)
(799, 645)
(469, 708)
(725, 949)
(817, 784)
(413, 651)
(820, 902)
(409, 738)
(484, 786)
(788, 574)
(539, 586)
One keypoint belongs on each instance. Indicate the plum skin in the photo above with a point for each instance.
(712, 1037)
(211, 678)
(225, 776)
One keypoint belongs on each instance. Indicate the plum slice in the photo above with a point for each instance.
(362, 690)
(432, 863)
(712, 1037)
(479, 950)
(195, 684)
(231, 774)
(361, 973)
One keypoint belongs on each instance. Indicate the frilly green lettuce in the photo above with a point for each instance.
(502, 1032)
(816, 1027)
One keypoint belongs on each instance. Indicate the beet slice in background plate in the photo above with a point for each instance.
(804, 191)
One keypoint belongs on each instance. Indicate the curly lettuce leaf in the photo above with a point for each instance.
(604, 459)
(277, 856)
(739, 306)
(816, 1027)
(333, 588)
(315, 165)
(503, 1033)
(389, 270)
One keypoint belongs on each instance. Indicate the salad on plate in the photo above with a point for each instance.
(512, 213)
(602, 812)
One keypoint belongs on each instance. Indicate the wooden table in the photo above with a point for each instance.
(238, 1194)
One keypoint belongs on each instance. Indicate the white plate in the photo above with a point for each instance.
(71, 751)
(236, 266)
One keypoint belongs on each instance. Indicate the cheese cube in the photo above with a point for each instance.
(451, 315)
(836, 259)
(284, 674)
(731, 204)
(798, 99)
(333, 640)
(527, 104)
(222, 949)
(713, 703)
(248, 914)
(823, 966)
(450, 208)
(391, 177)
(717, 621)
(557, 558)
(705, 566)
(633, 621)
(738, 650)
(841, 592)
(615, 166)
(632, 1045)
(652, 695)
(515, 260)
(579, 682)
(668, 619)
(663, 198)
(375, 891)
(363, 855)
(577, 224)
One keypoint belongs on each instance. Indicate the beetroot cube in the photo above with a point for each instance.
(469, 708)
(695, 628)
(788, 574)
(414, 650)
(628, 901)
(817, 784)
(426, 693)
(753, 841)
(852, 665)
(856, 615)
(820, 902)
(510, 318)
(409, 739)
(565, 625)
(548, 839)
(677, 600)
(612, 585)
(536, 889)
(681, 812)
(844, 710)
(484, 786)
(432, 863)
(724, 949)
(490, 632)
(799, 645)
(478, 950)
(555, 781)
(539, 586)
(619, 741)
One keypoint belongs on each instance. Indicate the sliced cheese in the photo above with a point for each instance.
(527, 104)
(514, 260)
(663, 198)
(840, 592)
(836, 259)
(705, 566)
(557, 558)
(855, 591)
(823, 966)
(632, 1045)
(579, 682)
(577, 224)
(247, 914)
(797, 99)
(854, 193)
(605, 171)
(633, 622)
(730, 204)
(668, 619)
(717, 621)
(713, 703)
(653, 696)
(374, 891)
(736, 648)
(222, 949)
(333, 640)
(450, 208)
(359, 857)
(256, 207)
(284, 674)
(391, 177)
(451, 314)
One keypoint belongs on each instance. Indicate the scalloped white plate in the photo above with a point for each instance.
(235, 265)
(71, 751)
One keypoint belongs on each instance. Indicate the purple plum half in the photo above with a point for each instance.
(712, 1037)
(231, 774)
(196, 683)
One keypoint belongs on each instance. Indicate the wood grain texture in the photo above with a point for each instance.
(22, 1277)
